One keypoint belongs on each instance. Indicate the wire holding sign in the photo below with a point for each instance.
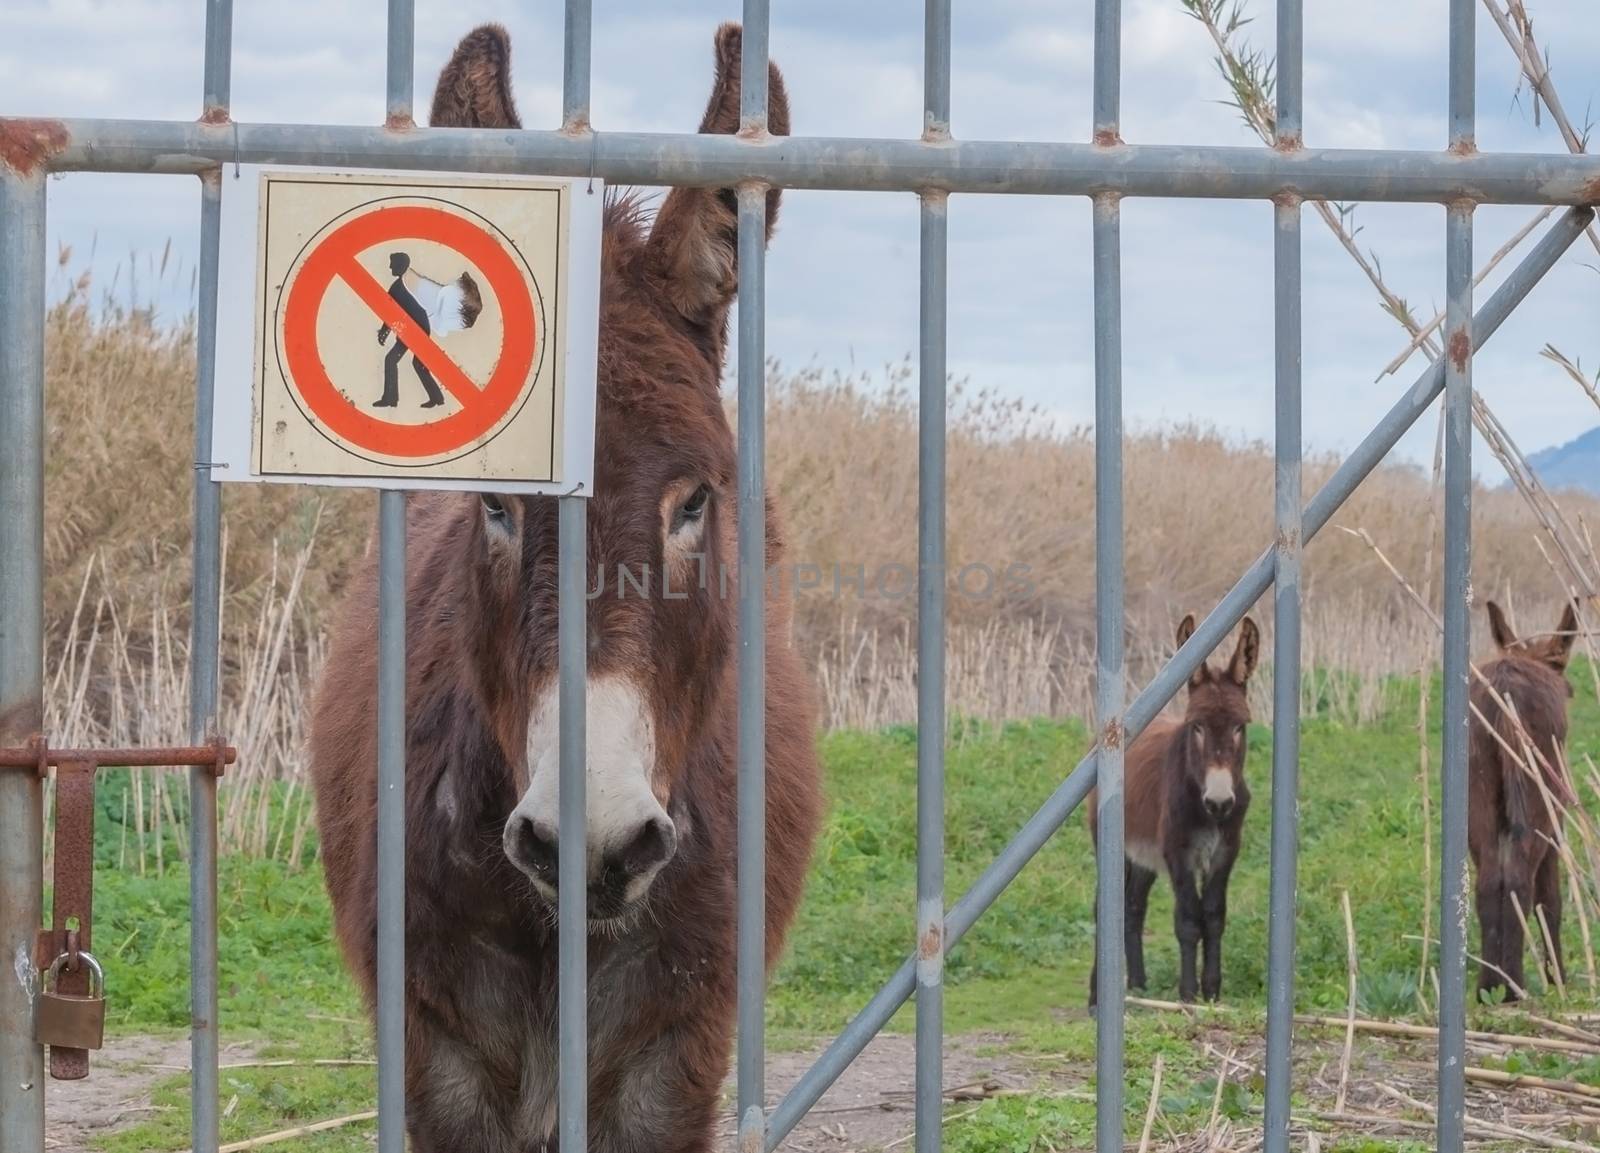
(488, 287)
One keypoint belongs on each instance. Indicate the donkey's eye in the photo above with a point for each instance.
(494, 508)
(692, 509)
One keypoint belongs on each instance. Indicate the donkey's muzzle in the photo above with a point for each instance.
(617, 873)
(1219, 808)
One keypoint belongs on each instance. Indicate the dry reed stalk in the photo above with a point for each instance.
(1425, 332)
(1585, 634)
(1533, 944)
(1216, 1100)
(1550, 951)
(1151, 1109)
(1491, 1128)
(1529, 1081)
(1430, 1032)
(1473, 1126)
(297, 1132)
(1571, 1031)
(1350, 1016)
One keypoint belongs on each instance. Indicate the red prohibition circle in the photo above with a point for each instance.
(335, 258)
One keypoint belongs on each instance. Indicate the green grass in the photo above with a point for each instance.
(1021, 973)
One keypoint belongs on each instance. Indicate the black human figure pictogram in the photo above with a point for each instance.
(399, 264)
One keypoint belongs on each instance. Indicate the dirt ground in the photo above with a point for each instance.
(117, 1091)
(868, 1108)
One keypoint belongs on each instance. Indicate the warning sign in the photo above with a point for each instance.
(407, 331)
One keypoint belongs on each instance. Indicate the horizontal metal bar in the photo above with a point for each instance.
(820, 162)
(163, 756)
(1216, 626)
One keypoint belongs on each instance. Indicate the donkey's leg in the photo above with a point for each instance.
(1136, 884)
(1491, 911)
(1516, 888)
(1547, 897)
(1187, 920)
(1214, 915)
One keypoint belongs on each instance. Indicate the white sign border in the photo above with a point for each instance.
(579, 315)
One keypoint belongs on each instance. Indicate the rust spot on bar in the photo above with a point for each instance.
(211, 177)
(399, 122)
(1112, 737)
(1591, 191)
(931, 945)
(577, 126)
(1288, 540)
(216, 114)
(26, 145)
(1107, 138)
(1460, 349)
(1288, 199)
(1465, 147)
(1289, 142)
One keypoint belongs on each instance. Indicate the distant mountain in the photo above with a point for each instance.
(1575, 464)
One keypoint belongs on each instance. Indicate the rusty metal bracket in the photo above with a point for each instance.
(72, 915)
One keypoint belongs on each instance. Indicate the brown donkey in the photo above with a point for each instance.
(481, 747)
(1186, 799)
(1510, 827)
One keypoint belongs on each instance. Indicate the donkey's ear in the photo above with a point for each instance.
(693, 247)
(1499, 627)
(1245, 652)
(1566, 634)
(475, 87)
(1186, 630)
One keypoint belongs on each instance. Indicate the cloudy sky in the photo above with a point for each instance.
(843, 270)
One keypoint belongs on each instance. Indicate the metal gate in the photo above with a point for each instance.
(933, 167)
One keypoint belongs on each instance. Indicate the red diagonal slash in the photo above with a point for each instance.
(405, 330)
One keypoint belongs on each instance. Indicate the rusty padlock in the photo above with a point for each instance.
(63, 1021)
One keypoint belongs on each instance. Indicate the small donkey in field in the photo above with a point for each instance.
(1510, 827)
(1186, 800)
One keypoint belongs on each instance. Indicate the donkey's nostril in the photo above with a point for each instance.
(531, 846)
(651, 847)
(1219, 809)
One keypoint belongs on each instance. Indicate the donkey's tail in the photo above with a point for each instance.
(1522, 771)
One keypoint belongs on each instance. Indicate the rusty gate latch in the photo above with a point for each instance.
(70, 1013)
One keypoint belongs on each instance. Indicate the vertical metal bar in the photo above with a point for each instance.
(575, 55)
(572, 791)
(572, 866)
(1457, 596)
(391, 820)
(1286, 600)
(391, 1000)
(402, 61)
(204, 639)
(931, 577)
(1109, 688)
(22, 208)
(205, 623)
(752, 895)
(752, 840)
(219, 57)
(753, 71)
